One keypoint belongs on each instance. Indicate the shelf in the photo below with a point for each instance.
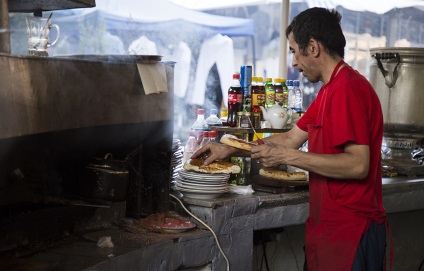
(227, 129)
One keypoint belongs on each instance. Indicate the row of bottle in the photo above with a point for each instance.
(193, 144)
(249, 99)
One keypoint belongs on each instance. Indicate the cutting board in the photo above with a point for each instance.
(269, 185)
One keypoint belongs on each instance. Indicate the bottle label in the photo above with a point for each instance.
(232, 97)
(239, 99)
(270, 98)
(258, 99)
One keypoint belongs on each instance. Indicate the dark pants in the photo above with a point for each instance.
(371, 252)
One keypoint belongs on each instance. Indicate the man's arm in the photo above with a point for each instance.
(353, 163)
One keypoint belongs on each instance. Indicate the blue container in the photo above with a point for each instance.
(245, 76)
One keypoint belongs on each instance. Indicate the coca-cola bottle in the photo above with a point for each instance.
(235, 98)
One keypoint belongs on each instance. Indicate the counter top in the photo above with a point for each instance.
(233, 218)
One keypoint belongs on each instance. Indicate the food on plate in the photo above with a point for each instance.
(197, 165)
(282, 175)
(163, 222)
(236, 142)
(389, 171)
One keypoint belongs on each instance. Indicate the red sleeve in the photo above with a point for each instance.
(349, 115)
(308, 117)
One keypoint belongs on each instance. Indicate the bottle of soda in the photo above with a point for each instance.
(269, 93)
(234, 101)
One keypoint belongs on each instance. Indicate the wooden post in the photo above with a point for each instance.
(4, 27)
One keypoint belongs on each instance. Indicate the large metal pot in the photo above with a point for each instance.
(105, 179)
(397, 75)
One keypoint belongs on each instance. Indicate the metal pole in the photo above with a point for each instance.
(4, 27)
(285, 17)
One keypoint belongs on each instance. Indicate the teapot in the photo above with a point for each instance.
(276, 115)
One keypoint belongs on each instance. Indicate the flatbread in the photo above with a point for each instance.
(236, 142)
(196, 164)
(282, 175)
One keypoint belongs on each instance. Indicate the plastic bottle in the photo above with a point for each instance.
(246, 83)
(234, 100)
(223, 116)
(269, 93)
(213, 119)
(258, 95)
(292, 95)
(199, 125)
(190, 147)
(213, 136)
(298, 101)
(205, 139)
(278, 91)
(285, 93)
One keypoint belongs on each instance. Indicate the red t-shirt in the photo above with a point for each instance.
(349, 111)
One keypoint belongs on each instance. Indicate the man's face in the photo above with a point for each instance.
(303, 63)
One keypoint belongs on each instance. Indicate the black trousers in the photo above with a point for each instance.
(371, 252)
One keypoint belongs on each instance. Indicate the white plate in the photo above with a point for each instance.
(203, 176)
(205, 182)
(200, 191)
(201, 188)
(195, 195)
(194, 183)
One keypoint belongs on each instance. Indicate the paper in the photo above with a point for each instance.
(153, 77)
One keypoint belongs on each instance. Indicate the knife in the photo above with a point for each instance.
(260, 142)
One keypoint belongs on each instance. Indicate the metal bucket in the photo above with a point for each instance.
(397, 75)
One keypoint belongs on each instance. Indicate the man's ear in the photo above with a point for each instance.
(314, 47)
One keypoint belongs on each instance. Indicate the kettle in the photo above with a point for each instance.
(276, 115)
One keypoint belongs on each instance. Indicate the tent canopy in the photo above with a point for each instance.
(376, 6)
(157, 15)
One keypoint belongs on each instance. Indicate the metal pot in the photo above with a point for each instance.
(397, 75)
(105, 179)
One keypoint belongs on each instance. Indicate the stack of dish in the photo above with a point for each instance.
(177, 158)
(201, 185)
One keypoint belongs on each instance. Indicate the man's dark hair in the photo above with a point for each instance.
(320, 24)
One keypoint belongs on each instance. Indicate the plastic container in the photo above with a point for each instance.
(190, 147)
(213, 119)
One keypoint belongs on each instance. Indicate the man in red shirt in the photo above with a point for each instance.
(345, 229)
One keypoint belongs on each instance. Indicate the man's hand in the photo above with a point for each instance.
(214, 151)
(270, 154)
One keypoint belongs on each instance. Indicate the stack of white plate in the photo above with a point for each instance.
(177, 158)
(201, 185)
